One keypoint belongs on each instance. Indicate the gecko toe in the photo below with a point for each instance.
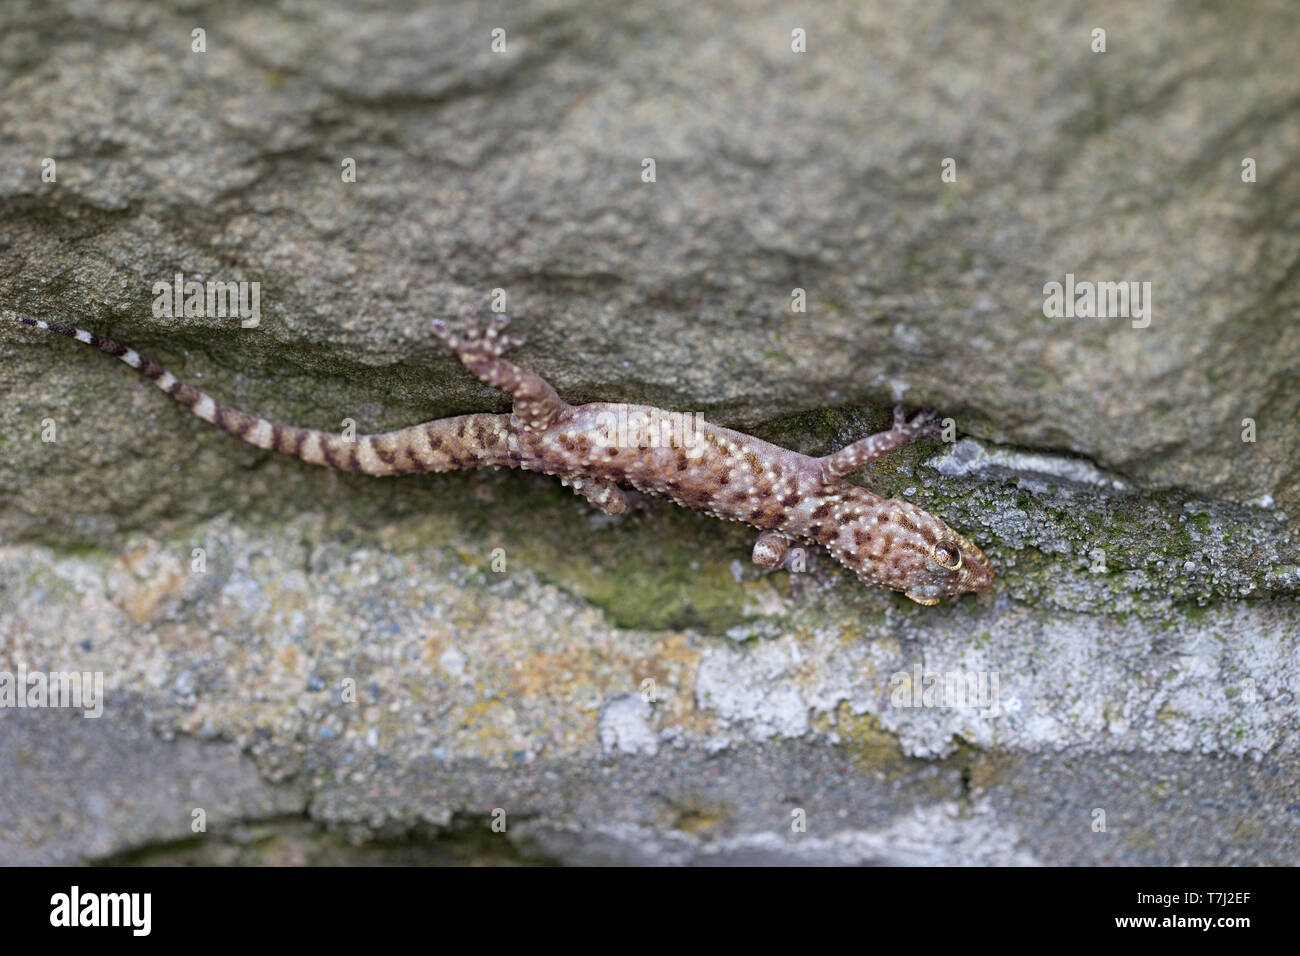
(478, 336)
(926, 422)
(443, 332)
(496, 339)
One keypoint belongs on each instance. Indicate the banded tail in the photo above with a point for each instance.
(445, 444)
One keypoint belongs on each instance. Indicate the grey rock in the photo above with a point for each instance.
(348, 664)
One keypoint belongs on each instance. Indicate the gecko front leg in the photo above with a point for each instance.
(605, 495)
(481, 347)
(863, 452)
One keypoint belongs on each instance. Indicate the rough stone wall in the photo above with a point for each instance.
(1143, 635)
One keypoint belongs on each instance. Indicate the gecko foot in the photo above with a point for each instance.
(924, 422)
(605, 495)
(479, 336)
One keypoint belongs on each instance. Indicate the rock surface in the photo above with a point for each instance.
(357, 664)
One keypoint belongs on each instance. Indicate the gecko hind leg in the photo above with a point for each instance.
(863, 452)
(480, 348)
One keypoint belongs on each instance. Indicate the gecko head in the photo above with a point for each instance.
(952, 566)
(897, 545)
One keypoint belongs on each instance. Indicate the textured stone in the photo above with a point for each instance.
(1143, 632)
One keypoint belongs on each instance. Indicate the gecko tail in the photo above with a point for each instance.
(435, 446)
(199, 403)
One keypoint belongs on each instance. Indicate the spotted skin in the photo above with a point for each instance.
(789, 497)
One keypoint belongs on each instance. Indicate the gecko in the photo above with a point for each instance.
(787, 496)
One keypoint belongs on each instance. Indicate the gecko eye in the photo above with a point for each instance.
(946, 555)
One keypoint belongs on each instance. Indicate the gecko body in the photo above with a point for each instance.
(789, 497)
